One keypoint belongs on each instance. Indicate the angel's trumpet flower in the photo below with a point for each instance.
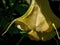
(38, 21)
